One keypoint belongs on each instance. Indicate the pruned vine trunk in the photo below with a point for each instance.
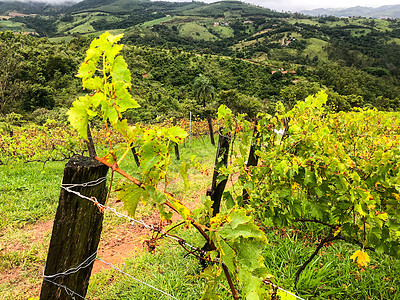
(210, 128)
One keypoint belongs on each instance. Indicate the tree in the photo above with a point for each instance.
(204, 92)
(240, 103)
(9, 65)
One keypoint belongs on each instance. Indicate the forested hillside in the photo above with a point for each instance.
(252, 56)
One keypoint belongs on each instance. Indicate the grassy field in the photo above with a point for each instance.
(29, 193)
(29, 197)
(222, 31)
(303, 21)
(316, 48)
(155, 22)
(196, 31)
(12, 26)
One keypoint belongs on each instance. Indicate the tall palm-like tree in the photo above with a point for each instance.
(205, 92)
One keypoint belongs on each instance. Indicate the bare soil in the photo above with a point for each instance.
(117, 243)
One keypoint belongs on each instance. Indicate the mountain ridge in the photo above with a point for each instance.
(381, 12)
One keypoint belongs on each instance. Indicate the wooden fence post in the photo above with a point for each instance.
(210, 128)
(76, 230)
(221, 159)
(253, 158)
(136, 157)
(216, 190)
(176, 145)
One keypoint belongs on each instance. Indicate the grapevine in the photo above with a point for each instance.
(49, 142)
(338, 170)
(236, 242)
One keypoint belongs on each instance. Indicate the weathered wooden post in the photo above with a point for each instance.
(136, 157)
(176, 145)
(253, 158)
(210, 128)
(76, 230)
(221, 159)
(217, 189)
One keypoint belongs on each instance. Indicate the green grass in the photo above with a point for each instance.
(331, 274)
(82, 23)
(61, 39)
(155, 22)
(83, 28)
(168, 269)
(316, 48)
(12, 26)
(303, 21)
(28, 192)
(94, 34)
(196, 31)
(223, 31)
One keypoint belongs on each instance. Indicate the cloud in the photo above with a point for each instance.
(45, 1)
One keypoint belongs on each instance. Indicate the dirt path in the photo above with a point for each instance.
(29, 246)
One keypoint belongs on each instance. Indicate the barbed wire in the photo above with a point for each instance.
(69, 292)
(102, 208)
(90, 183)
(138, 280)
(73, 270)
(283, 290)
(86, 263)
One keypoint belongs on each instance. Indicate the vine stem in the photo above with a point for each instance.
(228, 277)
(199, 228)
(328, 239)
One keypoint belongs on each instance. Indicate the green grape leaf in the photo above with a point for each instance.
(86, 70)
(176, 134)
(78, 116)
(229, 201)
(285, 296)
(120, 70)
(228, 255)
(130, 133)
(183, 171)
(93, 54)
(241, 225)
(130, 194)
(253, 287)
(94, 83)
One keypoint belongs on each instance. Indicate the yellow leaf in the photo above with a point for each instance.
(383, 216)
(361, 257)
(285, 296)
(337, 231)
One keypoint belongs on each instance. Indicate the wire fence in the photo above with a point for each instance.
(90, 260)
